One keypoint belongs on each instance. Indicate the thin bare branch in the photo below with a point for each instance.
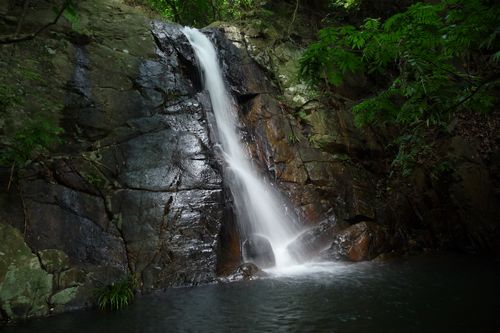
(15, 39)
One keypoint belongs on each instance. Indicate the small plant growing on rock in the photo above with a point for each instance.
(8, 97)
(96, 179)
(292, 138)
(116, 296)
(35, 138)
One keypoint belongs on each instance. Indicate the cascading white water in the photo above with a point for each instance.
(259, 207)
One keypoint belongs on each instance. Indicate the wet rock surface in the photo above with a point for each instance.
(359, 242)
(136, 189)
(258, 250)
(73, 222)
(331, 169)
(311, 242)
(244, 272)
(319, 174)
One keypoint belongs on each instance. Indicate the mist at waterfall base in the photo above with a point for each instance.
(431, 293)
(260, 209)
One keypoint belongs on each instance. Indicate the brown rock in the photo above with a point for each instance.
(245, 272)
(359, 242)
(315, 239)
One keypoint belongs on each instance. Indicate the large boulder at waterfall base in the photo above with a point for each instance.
(245, 272)
(359, 242)
(258, 250)
(315, 239)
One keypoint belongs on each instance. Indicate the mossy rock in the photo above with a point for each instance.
(13, 250)
(25, 291)
(71, 278)
(24, 286)
(64, 296)
(54, 261)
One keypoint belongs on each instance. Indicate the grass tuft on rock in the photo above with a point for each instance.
(116, 296)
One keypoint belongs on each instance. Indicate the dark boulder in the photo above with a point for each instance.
(314, 240)
(244, 272)
(359, 242)
(258, 250)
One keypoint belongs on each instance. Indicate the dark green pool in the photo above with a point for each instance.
(432, 293)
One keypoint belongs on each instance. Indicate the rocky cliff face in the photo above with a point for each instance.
(135, 188)
(311, 153)
(319, 182)
(337, 172)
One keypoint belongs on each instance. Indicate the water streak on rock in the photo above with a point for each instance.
(259, 207)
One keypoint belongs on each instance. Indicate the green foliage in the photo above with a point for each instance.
(346, 4)
(95, 178)
(71, 14)
(292, 138)
(199, 13)
(9, 97)
(28, 126)
(430, 49)
(330, 58)
(315, 140)
(35, 138)
(442, 170)
(117, 295)
(411, 148)
(302, 115)
(30, 74)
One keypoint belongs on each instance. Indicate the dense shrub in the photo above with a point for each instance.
(433, 48)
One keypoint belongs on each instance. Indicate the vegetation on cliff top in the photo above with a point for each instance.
(428, 62)
(433, 51)
(434, 59)
(197, 13)
(29, 127)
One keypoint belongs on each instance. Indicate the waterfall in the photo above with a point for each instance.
(260, 209)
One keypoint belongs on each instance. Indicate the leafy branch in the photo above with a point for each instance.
(436, 59)
(430, 47)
